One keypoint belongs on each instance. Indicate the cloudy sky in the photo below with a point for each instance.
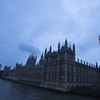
(29, 26)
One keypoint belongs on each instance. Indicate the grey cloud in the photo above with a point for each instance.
(46, 24)
(29, 48)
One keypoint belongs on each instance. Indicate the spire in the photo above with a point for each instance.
(45, 51)
(96, 65)
(50, 49)
(73, 47)
(70, 47)
(58, 46)
(66, 43)
(42, 56)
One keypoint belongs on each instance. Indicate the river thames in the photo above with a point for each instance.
(15, 91)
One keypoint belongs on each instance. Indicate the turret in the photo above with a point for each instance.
(77, 60)
(17, 64)
(81, 61)
(50, 49)
(70, 47)
(87, 63)
(42, 56)
(58, 46)
(31, 61)
(84, 62)
(96, 65)
(41, 60)
(66, 43)
(45, 51)
(99, 67)
(74, 47)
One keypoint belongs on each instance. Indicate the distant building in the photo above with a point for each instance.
(58, 69)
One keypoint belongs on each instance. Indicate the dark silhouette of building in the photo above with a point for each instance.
(57, 69)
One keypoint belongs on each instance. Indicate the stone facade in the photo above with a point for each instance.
(29, 72)
(58, 69)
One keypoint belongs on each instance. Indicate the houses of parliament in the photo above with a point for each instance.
(56, 69)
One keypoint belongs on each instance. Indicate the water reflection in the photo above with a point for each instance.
(15, 91)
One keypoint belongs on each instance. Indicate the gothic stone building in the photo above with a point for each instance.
(58, 69)
(30, 72)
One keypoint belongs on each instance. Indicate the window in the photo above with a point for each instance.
(61, 67)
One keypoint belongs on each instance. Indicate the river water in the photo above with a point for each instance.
(15, 91)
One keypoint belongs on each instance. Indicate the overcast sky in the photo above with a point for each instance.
(29, 26)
